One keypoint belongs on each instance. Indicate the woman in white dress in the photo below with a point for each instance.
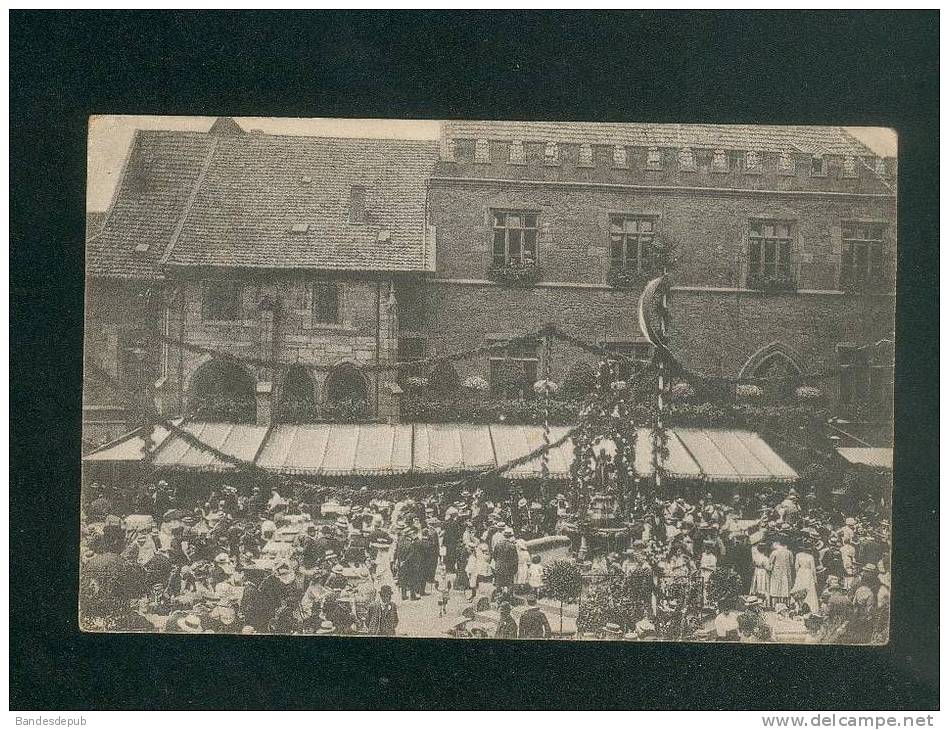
(760, 579)
(806, 577)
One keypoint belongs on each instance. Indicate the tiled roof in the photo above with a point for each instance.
(259, 187)
(828, 140)
(158, 179)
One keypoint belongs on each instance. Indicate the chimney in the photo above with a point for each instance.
(225, 127)
(357, 204)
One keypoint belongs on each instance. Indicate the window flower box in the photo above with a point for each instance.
(621, 278)
(771, 282)
(515, 274)
(875, 283)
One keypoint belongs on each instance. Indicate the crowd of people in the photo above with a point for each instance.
(253, 560)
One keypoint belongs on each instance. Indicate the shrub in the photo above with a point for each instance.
(808, 392)
(546, 386)
(476, 384)
(748, 391)
(444, 378)
(515, 274)
(580, 380)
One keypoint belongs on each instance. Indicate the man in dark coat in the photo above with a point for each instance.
(505, 561)
(451, 536)
(383, 616)
(409, 561)
(507, 626)
(533, 623)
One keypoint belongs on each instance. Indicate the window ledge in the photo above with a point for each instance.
(752, 172)
(229, 322)
(720, 172)
(337, 329)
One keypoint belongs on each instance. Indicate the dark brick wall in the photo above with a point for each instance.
(717, 324)
(710, 231)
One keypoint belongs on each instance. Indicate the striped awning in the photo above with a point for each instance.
(714, 455)
(338, 449)
(879, 458)
(238, 440)
(376, 449)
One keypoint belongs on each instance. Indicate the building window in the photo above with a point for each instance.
(221, 301)
(619, 156)
(818, 166)
(636, 356)
(585, 156)
(769, 254)
(785, 163)
(513, 375)
(752, 161)
(552, 154)
(448, 149)
(411, 349)
(515, 238)
(654, 159)
(631, 240)
(517, 156)
(410, 306)
(879, 167)
(719, 161)
(686, 159)
(861, 254)
(482, 151)
(324, 302)
(850, 166)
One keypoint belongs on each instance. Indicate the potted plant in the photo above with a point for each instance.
(515, 273)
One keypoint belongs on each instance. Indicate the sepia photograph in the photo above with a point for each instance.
(521, 380)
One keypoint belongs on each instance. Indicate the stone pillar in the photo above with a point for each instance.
(266, 347)
(264, 403)
(390, 402)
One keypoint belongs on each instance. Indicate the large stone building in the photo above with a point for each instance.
(345, 253)
(272, 247)
(784, 241)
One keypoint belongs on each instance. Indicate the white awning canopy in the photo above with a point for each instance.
(375, 449)
(879, 458)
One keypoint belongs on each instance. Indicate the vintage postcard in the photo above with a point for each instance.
(488, 379)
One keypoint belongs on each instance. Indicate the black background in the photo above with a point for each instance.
(801, 68)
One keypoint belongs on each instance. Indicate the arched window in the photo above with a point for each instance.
(347, 396)
(779, 365)
(345, 383)
(297, 397)
(222, 391)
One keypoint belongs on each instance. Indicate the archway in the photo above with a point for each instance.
(297, 397)
(347, 395)
(778, 364)
(222, 391)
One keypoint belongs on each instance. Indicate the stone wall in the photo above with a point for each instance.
(277, 324)
(717, 323)
(710, 231)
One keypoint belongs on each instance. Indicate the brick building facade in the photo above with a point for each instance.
(271, 247)
(785, 242)
(347, 253)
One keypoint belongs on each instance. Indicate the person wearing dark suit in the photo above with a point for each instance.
(383, 616)
(533, 623)
(505, 561)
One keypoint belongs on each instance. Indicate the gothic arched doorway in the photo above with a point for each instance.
(297, 402)
(347, 395)
(778, 366)
(222, 391)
